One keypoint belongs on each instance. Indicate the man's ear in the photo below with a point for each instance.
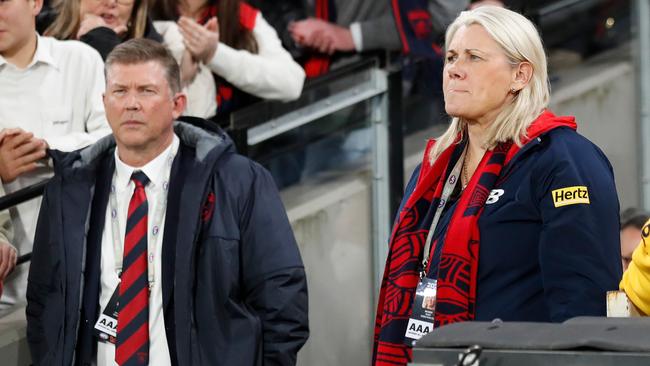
(180, 102)
(522, 75)
(37, 5)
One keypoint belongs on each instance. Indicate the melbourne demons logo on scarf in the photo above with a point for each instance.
(458, 268)
(415, 28)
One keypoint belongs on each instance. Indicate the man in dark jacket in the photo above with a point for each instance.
(204, 228)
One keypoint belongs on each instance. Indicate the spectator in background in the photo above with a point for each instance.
(50, 97)
(363, 25)
(103, 24)
(636, 279)
(243, 51)
(632, 221)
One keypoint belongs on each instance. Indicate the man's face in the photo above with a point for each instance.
(17, 24)
(140, 106)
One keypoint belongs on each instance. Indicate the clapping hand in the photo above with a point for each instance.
(19, 152)
(92, 21)
(321, 35)
(200, 40)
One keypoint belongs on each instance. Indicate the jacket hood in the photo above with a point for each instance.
(208, 146)
(548, 121)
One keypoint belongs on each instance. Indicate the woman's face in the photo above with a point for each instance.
(113, 12)
(477, 77)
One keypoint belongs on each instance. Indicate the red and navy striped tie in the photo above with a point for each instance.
(132, 347)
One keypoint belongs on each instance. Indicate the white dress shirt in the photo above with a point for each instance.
(58, 97)
(157, 171)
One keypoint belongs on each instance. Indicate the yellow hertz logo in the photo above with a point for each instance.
(570, 196)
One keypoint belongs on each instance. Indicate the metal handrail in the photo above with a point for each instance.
(22, 195)
(18, 197)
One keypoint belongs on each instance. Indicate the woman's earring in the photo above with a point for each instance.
(513, 90)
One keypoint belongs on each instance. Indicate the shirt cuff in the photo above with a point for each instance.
(357, 37)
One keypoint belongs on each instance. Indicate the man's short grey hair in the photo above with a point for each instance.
(141, 50)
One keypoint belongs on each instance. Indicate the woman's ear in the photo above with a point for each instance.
(522, 75)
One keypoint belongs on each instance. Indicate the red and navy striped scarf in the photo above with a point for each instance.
(458, 267)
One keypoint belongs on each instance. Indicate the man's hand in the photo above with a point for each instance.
(19, 152)
(8, 257)
(92, 21)
(321, 35)
(200, 40)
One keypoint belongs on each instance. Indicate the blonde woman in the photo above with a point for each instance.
(512, 214)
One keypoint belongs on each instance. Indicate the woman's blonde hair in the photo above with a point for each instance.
(520, 42)
(68, 19)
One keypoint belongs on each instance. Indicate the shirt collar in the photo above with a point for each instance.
(155, 169)
(43, 53)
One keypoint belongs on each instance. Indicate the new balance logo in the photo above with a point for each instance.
(494, 196)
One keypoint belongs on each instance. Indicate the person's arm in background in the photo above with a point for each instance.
(325, 37)
(197, 80)
(380, 33)
(270, 73)
(636, 279)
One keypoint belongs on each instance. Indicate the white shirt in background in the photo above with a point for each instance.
(58, 97)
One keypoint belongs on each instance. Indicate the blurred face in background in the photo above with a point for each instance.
(17, 24)
(115, 13)
(630, 238)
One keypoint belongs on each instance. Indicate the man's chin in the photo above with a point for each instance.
(131, 143)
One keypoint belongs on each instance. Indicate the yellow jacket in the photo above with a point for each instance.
(636, 279)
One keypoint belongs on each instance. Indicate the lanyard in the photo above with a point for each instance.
(118, 239)
(448, 189)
